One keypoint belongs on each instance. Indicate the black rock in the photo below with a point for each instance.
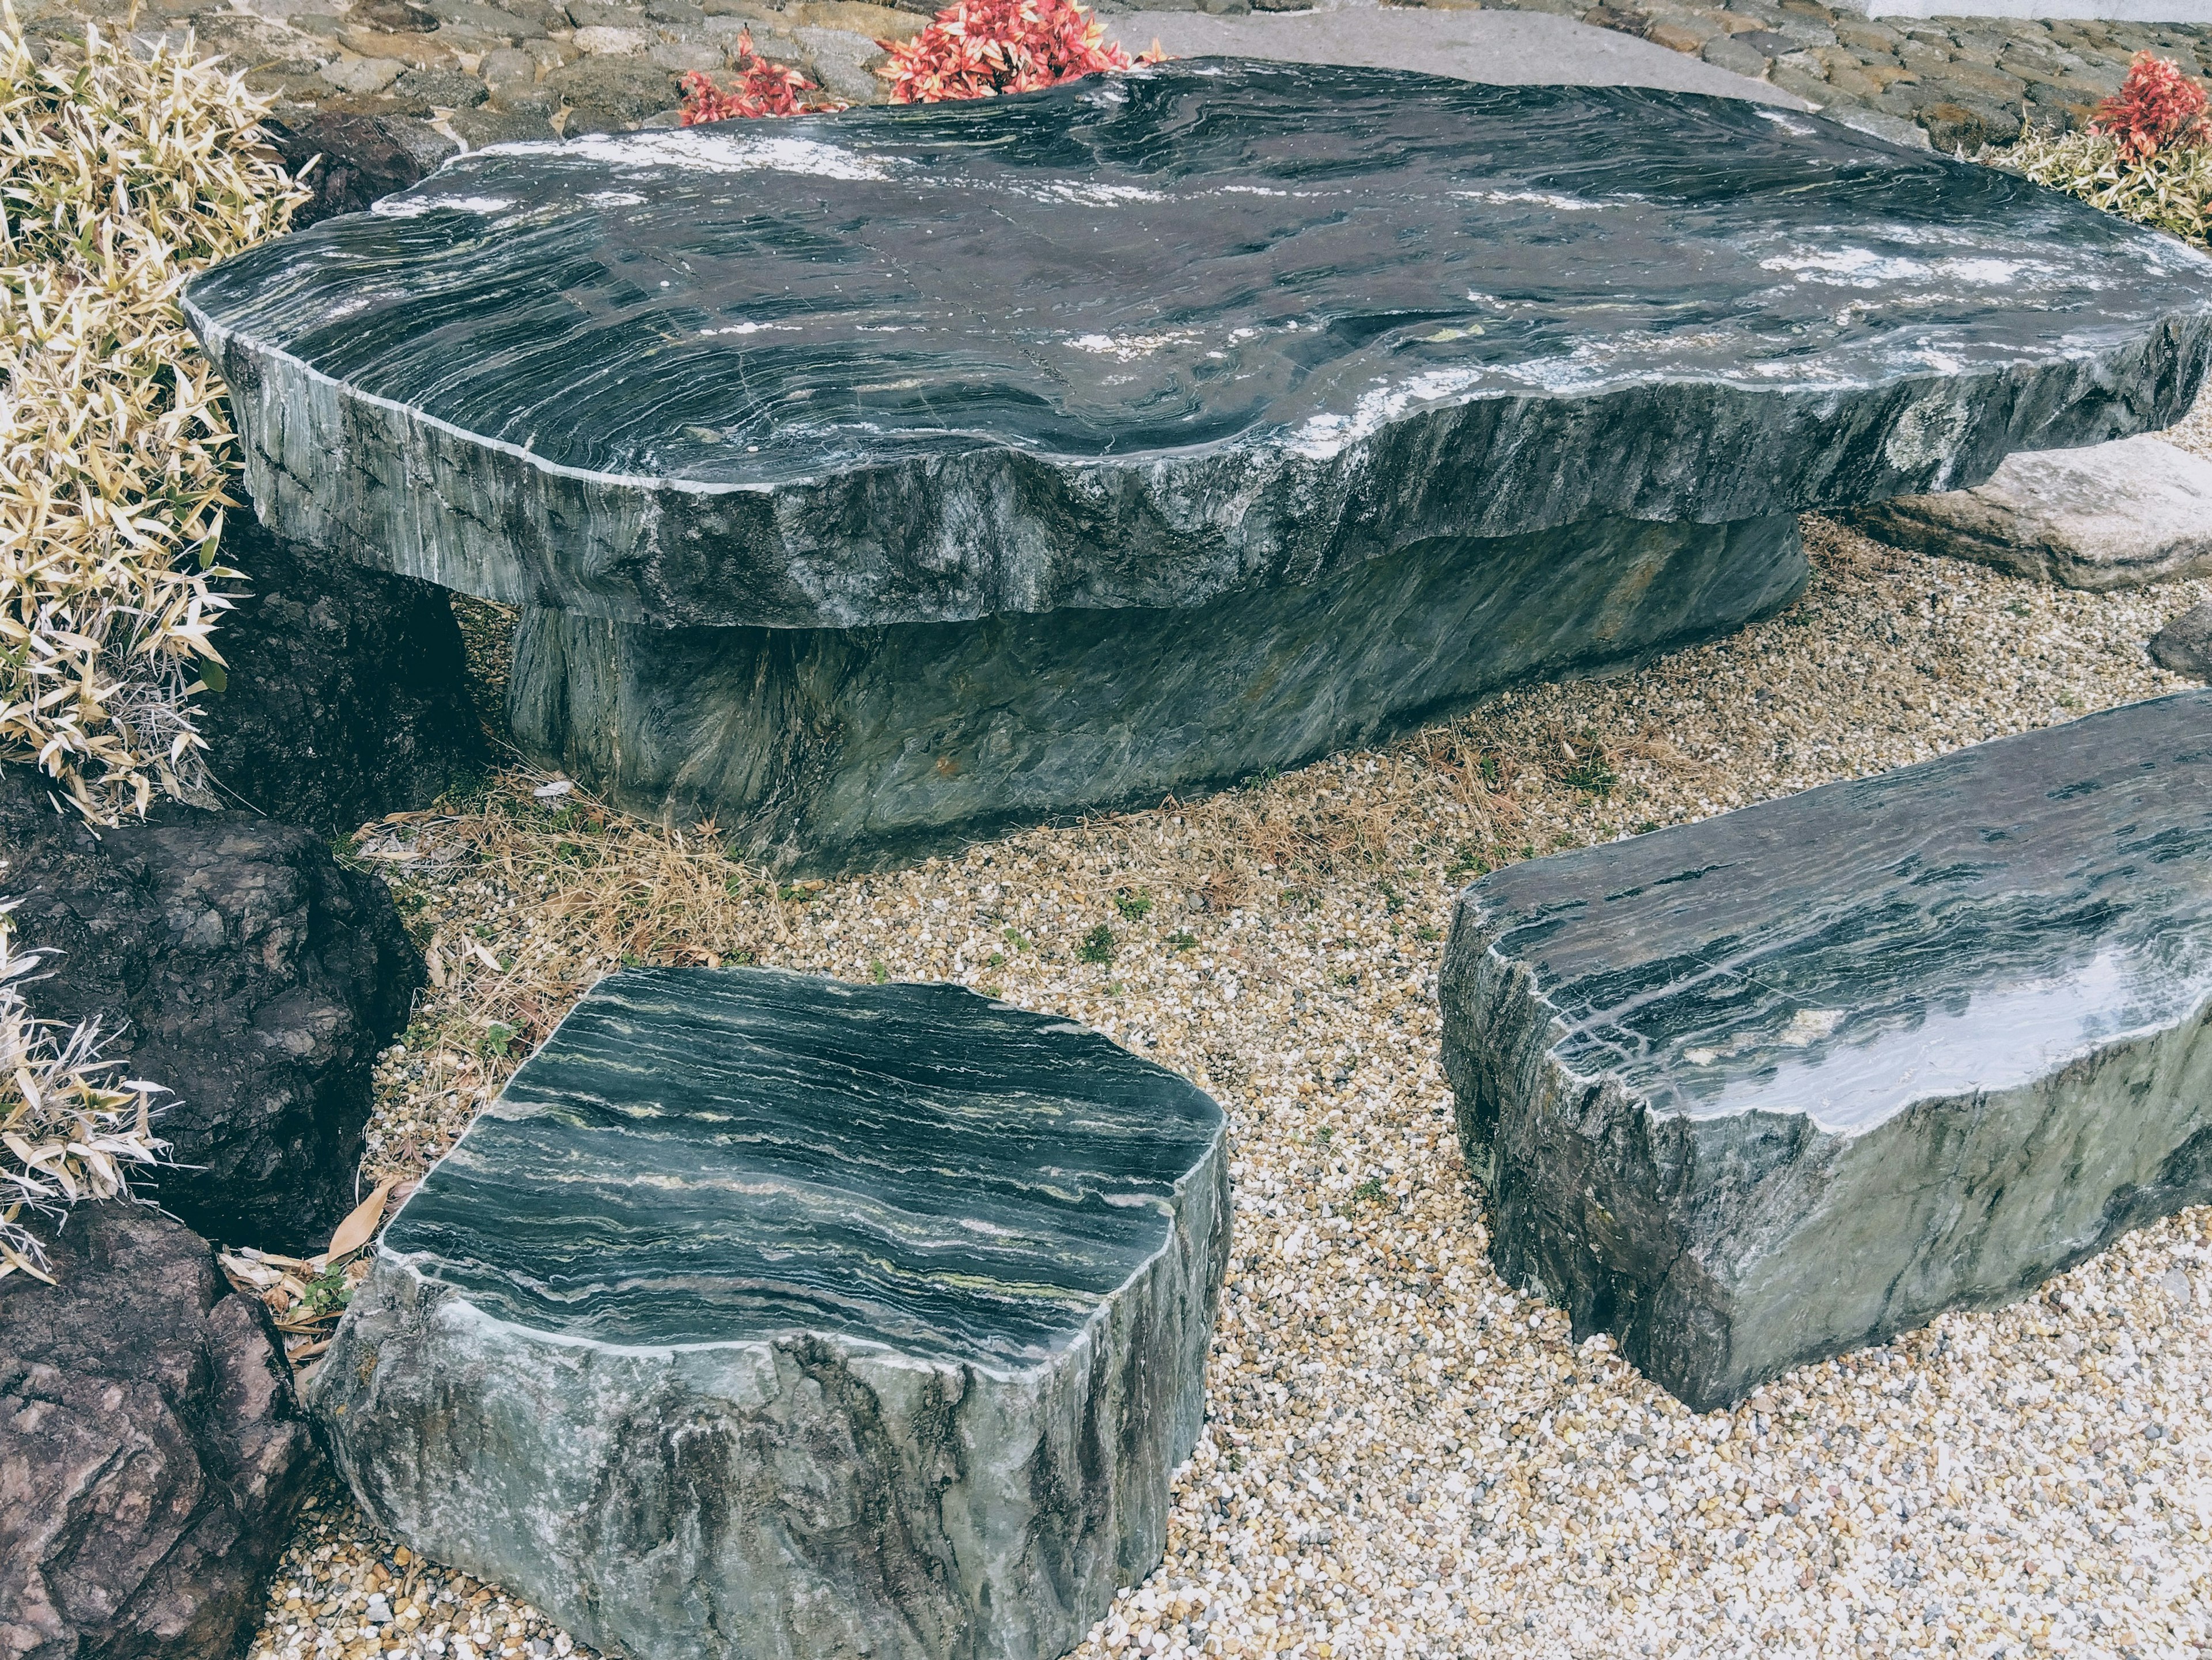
(153, 1461)
(252, 976)
(2184, 645)
(767, 1316)
(442, 88)
(1146, 339)
(346, 695)
(1792, 1080)
(365, 157)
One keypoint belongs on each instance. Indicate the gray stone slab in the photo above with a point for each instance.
(764, 1315)
(1760, 1089)
(1507, 48)
(2114, 515)
(2120, 11)
(821, 750)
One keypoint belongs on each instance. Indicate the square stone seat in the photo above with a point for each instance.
(764, 1315)
(1757, 1090)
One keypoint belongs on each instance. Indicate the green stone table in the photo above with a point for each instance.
(764, 1315)
(874, 482)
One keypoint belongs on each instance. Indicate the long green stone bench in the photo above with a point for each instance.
(1760, 1089)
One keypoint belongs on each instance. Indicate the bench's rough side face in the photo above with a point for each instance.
(1755, 1090)
(821, 750)
(764, 1315)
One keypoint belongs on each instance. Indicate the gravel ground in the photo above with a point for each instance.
(1406, 1456)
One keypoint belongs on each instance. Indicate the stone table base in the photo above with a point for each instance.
(825, 749)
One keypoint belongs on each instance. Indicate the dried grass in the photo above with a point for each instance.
(119, 176)
(67, 1132)
(2169, 190)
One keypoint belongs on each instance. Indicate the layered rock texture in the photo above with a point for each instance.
(767, 1315)
(239, 966)
(152, 1458)
(1757, 1089)
(930, 366)
(2111, 516)
(856, 746)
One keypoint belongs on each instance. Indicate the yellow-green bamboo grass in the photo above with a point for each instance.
(119, 176)
(69, 1129)
(2171, 190)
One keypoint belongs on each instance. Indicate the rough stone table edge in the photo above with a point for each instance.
(1290, 527)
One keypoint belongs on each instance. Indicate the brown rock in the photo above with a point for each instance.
(152, 1458)
(1676, 38)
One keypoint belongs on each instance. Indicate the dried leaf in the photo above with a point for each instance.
(359, 1227)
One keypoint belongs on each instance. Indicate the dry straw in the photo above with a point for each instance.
(2170, 190)
(119, 176)
(67, 1131)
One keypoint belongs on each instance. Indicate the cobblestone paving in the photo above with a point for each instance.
(1961, 79)
(387, 89)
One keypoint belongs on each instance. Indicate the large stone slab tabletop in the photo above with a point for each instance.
(1145, 339)
(1759, 1089)
(764, 1315)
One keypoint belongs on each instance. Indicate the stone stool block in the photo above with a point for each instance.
(2119, 515)
(766, 1317)
(1757, 1090)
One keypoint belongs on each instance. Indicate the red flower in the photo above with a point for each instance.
(2157, 107)
(763, 88)
(980, 48)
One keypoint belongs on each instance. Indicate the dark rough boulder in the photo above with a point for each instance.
(346, 694)
(253, 975)
(152, 1457)
(364, 156)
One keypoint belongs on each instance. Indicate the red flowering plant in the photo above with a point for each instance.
(981, 48)
(763, 88)
(2145, 155)
(2156, 108)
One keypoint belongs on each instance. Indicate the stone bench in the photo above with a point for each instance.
(876, 481)
(1760, 1089)
(764, 1315)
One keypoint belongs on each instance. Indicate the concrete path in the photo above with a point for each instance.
(1511, 48)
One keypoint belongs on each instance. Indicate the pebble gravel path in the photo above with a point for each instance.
(1404, 1457)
